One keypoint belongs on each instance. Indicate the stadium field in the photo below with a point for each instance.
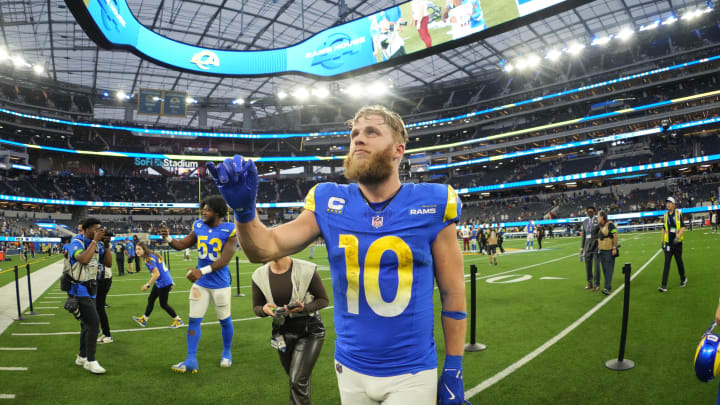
(498, 12)
(7, 275)
(547, 337)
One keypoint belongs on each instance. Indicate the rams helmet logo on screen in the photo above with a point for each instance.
(205, 58)
(707, 361)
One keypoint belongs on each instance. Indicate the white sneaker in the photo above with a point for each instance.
(80, 361)
(105, 339)
(225, 363)
(94, 367)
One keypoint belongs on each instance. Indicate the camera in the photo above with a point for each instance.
(72, 306)
(280, 311)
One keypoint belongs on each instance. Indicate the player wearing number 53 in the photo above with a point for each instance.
(216, 243)
(387, 242)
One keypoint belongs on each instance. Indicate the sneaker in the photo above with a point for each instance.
(662, 289)
(589, 286)
(495, 262)
(105, 339)
(683, 283)
(177, 323)
(94, 367)
(185, 366)
(142, 320)
(80, 361)
(225, 363)
(605, 291)
(596, 288)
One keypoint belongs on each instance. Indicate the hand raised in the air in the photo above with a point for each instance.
(237, 180)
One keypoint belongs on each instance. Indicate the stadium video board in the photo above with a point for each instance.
(401, 33)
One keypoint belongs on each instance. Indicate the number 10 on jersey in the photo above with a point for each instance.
(371, 274)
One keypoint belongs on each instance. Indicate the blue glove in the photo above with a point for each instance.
(237, 180)
(450, 385)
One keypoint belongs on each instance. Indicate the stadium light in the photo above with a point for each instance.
(600, 41)
(508, 67)
(533, 60)
(575, 48)
(354, 90)
(38, 68)
(625, 34)
(238, 101)
(190, 100)
(19, 61)
(301, 94)
(320, 92)
(4, 54)
(670, 20)
(282, 95)
(553, 55)
(377, 89)
(651, 26)
(120, 95)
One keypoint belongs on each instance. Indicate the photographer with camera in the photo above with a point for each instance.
(85, 252)
(672, 238)
(607, 248)
(291, 291)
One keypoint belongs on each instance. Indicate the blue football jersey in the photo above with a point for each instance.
(530, 228)
(383, 273)
(153, 262)
(130, 249)
(210, 243)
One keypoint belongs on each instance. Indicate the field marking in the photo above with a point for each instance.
(46, 307)
(39, 314)
(528, 266)
(7, 396)
(139, 329)
(530, 356)
(17, 348)
(13, 368)
(34, 323)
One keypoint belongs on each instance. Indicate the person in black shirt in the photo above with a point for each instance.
(672, 238)
(291, 291)
(607, 249)
(120, 258)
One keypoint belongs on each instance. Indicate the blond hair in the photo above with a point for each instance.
(391, 118)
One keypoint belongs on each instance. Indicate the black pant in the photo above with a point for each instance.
(120, 265)
(137, 264)
(163, 294)
(675, 250)
(539, 243)
(104, 285)
(500, 242)
(88, 327)
(304, 339)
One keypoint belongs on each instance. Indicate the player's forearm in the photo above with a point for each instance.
(454, 329)
(257, 241)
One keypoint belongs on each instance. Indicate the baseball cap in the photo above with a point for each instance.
(670, 199)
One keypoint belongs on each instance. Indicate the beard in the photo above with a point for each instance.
(211, 220)
(374, 170)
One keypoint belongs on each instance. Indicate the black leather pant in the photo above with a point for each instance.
(303, 348)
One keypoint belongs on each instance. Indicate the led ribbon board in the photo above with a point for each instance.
(372, 42)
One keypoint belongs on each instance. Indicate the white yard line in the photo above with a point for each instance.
(13, 368)
(530, 356)
(17, 348)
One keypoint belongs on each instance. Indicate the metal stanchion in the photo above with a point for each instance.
(32, 312)
(473, 346)
(237, 277)
(621, 363)
(17, 296)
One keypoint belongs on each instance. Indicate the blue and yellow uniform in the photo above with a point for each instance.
(156, 263)
(210, 243)
(383, 273)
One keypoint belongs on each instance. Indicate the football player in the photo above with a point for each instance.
(530, 231)
(387, 243)
(216, 244)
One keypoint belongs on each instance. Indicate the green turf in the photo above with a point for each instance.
(7, 275)
(499, 11)
(514, 319)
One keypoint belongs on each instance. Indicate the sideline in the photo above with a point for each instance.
(530, 356)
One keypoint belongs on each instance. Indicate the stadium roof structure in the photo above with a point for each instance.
(44, 31)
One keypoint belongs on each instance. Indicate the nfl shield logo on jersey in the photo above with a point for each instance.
(377, 221)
